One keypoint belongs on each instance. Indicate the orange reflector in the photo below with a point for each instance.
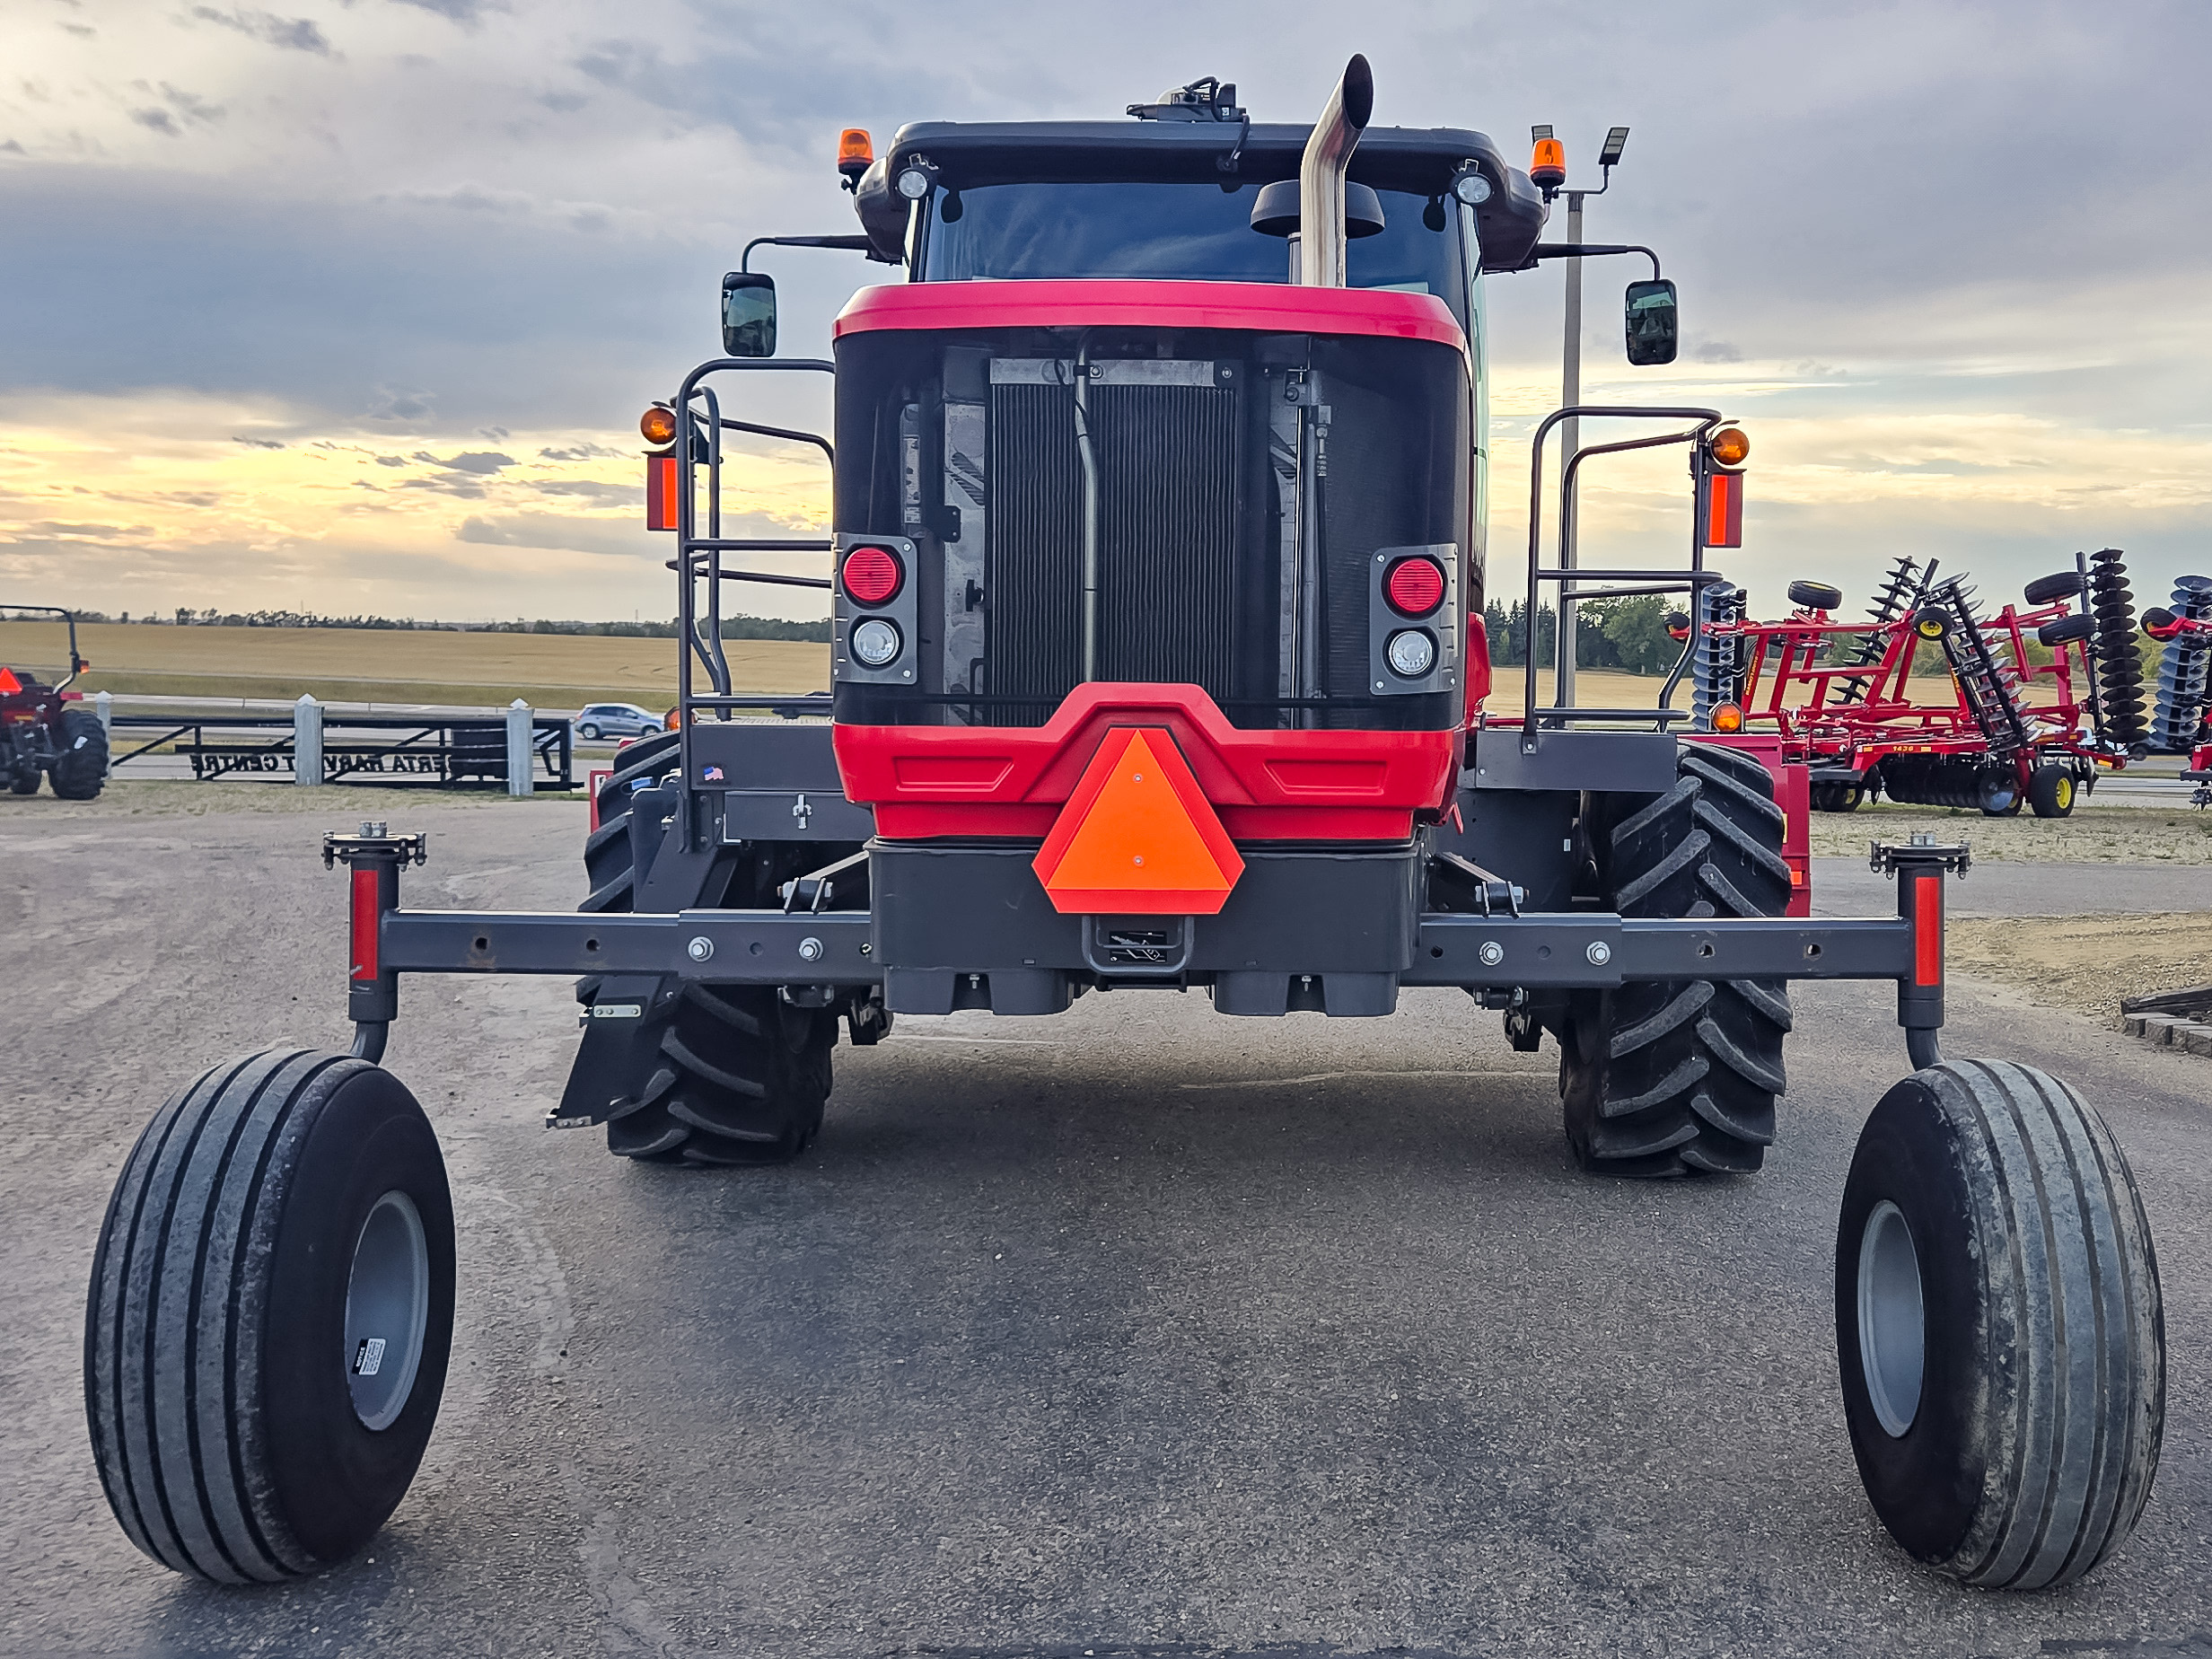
(9, 684)
(1138, 836)
(662, 492)
(1729, 446)
(658, 426)
(1728, 718)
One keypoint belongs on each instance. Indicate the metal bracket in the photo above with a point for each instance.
(1887, 857)
(410, 848)
(1124, 951)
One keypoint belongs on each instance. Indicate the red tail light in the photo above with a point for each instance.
(872, 574)
(1414, 586)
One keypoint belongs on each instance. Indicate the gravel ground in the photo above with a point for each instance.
(2090, 835)
(1133, 1332)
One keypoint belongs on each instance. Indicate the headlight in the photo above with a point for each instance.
(1473, 188)
(874, 643)
(1411, 653)
(913, 183)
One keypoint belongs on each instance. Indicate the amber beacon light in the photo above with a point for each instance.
(855, 154)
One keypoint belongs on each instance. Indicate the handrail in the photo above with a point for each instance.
(1707, 420)
(709, 650)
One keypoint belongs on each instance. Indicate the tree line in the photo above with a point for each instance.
(732, 627)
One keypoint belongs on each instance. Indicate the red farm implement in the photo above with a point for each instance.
(2179, 723)
(2019, 724)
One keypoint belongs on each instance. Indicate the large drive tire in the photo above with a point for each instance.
(1998, 1326)
(740, 1076)
(81, 766)
(270, 1316)
(1665, 1078)
(742, 1079)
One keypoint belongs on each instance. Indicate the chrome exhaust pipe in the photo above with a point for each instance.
(1320, 176)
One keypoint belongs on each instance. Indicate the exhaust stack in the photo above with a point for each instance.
(1320, 176)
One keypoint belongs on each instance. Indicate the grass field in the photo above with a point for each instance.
(380, 665)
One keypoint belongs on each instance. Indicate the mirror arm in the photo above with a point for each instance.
(1583, 251)
(849, 244)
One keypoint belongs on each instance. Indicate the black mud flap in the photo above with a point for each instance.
(615, 1065)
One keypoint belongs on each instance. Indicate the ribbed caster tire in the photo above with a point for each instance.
(1998, 1326)
(270, 1316)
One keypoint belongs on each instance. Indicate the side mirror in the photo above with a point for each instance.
(1654, 327)
(748, 315)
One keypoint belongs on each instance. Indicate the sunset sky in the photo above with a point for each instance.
(352, 306)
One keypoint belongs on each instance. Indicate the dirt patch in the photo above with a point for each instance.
(189, 798)
(2092, 835)
(2085, 963)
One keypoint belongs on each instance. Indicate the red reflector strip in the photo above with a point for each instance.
(367, 913)
(1724, 510)
(661, 491)
(1928, 930)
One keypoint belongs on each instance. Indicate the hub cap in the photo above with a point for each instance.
(386, 1306)
(1893, 1332)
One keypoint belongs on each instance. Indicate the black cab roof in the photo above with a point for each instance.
(1421, 160)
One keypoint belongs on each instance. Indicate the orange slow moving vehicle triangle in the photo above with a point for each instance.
(1138, 836)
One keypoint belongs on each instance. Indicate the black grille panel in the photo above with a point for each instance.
(1169, 459)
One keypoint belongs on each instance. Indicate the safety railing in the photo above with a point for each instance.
(1639, 581)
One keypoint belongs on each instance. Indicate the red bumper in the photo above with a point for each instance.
(1268, 786)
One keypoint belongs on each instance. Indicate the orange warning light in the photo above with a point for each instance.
(856, 151)
(1138, 836)
(1548, 165)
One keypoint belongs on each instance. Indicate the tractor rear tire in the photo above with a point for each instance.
(2000, 1329)
(740, 1076)
(607, 849)
(2046, 590)
(270, 1316)
(81, 766)
(1667, 1078)
(2051, 791)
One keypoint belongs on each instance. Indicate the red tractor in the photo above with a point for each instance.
(46, 731)
(1157, 565)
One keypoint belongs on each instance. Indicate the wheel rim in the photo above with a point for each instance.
(591, 730)
(387, 1308)
(2062, 794)
(1892, 1331)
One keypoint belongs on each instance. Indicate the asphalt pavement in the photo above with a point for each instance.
(1135, 1331)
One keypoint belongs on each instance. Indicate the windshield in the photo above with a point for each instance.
(1197, 232)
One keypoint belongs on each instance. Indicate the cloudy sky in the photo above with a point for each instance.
(351, 306)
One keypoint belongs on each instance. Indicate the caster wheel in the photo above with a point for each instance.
(1998, 1326)
(271, 1311)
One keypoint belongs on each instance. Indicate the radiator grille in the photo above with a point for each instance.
(1169, 458)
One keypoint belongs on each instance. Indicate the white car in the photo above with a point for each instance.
(615, 720)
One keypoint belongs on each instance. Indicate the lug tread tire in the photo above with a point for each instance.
(185, 1361)
(1664, 1079)
(80, 769)
(2045, 1409)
